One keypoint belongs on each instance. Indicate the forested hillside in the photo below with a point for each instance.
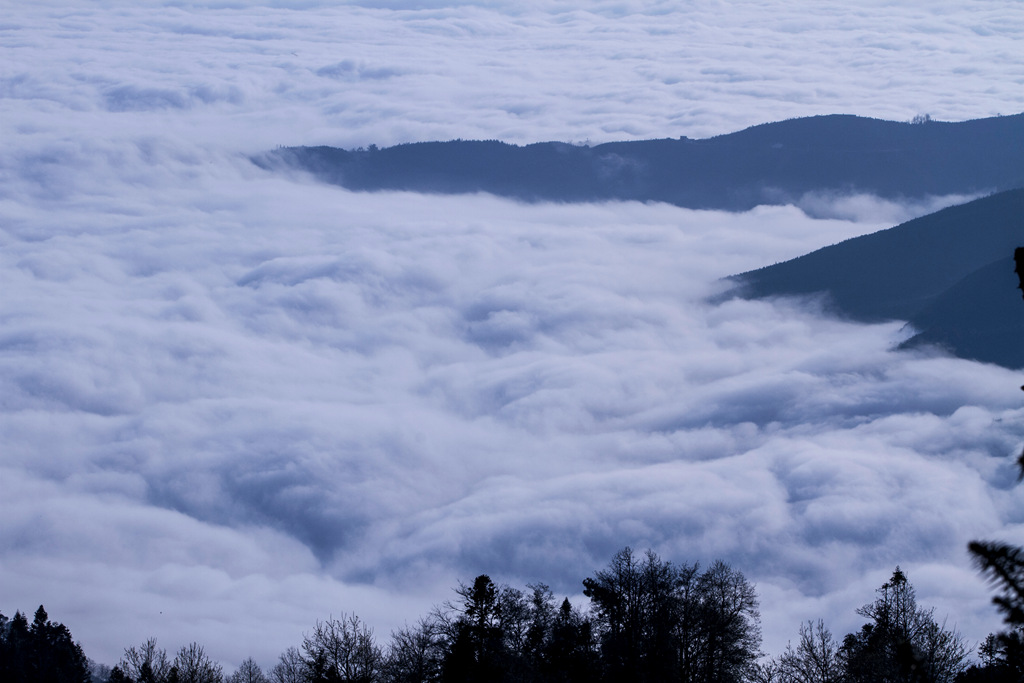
(773, 163)
(648, 620)
(950, 274)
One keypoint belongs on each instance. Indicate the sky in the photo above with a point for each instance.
(234, 402)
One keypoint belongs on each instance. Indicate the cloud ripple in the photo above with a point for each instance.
(234, 403)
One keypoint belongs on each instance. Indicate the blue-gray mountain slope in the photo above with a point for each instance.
(950, 274)
(773, 163)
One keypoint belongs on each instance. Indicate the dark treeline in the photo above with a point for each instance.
(648, 621)
(42, 652)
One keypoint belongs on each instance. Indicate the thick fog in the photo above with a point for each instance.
(234, 403)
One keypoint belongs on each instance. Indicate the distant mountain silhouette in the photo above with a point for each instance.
(950, 274)
(773, 163)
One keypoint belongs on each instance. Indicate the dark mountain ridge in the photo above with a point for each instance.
(772, 163)
(950, 274)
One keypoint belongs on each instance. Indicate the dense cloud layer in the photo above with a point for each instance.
(296, 73)
(234, 403)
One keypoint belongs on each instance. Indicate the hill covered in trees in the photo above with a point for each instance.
(648, 621)
(945, 273)
(949, 274)
(773, 163)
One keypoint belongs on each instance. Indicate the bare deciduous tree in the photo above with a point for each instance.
(145, 662)
(290, 668)
(815, 659)
(248, 672)
(343, 648)
(194, 666)
(415, 654)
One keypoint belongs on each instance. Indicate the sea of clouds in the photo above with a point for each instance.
(232, 403)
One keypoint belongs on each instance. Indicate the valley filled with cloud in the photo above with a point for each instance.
(236, 401)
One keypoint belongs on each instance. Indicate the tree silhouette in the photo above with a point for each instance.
(415, 654)
(569, 655)
(1003, 564)
(658, 622)
(193, 665)
(728, 626)
(290, 668)
(14, 648)
(477, 651)
(118, 676)
(248, 672)
(901, 643)
(815, 658)
(341, 650)
(57, 658)
(621, 598)
(145, 663)
(43, 652)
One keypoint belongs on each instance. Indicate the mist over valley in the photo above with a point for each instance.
(608, 276)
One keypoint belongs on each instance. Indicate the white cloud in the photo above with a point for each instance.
(396, 72)
(236, 399)
(257, 379)
(862, 207)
